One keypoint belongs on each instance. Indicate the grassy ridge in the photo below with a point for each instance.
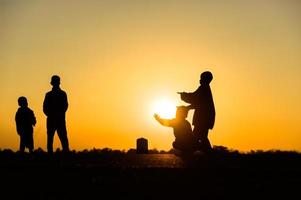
(114, 174)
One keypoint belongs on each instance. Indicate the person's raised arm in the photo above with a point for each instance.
(189, 97)
(164, 122)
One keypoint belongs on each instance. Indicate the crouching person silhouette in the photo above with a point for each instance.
(25, 120)
(55, 106)
(184, 140)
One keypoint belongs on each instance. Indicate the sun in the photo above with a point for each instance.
(164, 108)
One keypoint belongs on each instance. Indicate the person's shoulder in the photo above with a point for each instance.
(21, 111)
(62, 92)
(187, 122)
(199, 89)
(18, 110)
(49, 93)
(29, 110)
(203, 89)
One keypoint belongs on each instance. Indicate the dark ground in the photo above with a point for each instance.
(106, 174)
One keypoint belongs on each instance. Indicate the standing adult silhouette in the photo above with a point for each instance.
(204, 115)
(55, 106)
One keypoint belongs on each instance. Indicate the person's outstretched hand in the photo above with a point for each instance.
(156, 116)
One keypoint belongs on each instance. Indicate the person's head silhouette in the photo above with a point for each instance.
(55, 81)
(22, 101)
(181, 112)
(206, 78)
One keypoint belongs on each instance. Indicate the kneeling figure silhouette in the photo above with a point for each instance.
(184, 140)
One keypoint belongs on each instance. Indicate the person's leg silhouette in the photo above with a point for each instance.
(51, 127)
(62, 133)
(202, 137)
(22, 143)
(30, 143)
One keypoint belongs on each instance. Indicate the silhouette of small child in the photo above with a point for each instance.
(184, 140)
(25, 120)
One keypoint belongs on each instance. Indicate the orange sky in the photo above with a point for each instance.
(116, 58)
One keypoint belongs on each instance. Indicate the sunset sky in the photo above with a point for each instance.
(118, 58)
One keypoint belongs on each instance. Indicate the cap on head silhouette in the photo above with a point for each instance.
(206, 77)
(55, 80)
(182, 111)
(22, 101)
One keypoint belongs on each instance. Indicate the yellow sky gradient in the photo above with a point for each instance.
(116, 58)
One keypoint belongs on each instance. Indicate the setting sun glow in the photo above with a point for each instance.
(164, 108)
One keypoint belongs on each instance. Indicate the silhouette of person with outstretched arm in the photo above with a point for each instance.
(55, 106)
(25, 120)
(184, 140)
(204, 116)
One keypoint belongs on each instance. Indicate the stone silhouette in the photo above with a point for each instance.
(25, 120)
(184, 140)
(55, 106)
(204, 116)
(142, 146)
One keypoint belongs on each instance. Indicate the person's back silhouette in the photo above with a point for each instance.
(204, 116)
(55, 106)
(25, 120)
